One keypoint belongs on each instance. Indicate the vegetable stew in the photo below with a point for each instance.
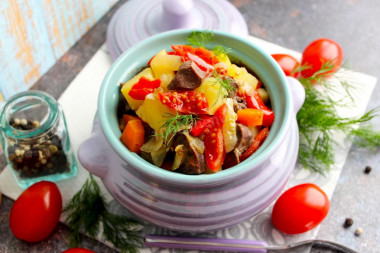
(192, 111)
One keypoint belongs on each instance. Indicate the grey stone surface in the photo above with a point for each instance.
(292, 24)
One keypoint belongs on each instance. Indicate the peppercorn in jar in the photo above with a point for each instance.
(35, 140)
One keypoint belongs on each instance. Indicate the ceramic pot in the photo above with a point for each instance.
(195, 203)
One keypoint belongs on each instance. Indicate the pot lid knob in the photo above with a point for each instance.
(136, 20)
(177, 14)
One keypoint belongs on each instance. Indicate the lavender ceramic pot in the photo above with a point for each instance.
(202, 202)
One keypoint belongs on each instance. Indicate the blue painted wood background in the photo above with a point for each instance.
(34, 34)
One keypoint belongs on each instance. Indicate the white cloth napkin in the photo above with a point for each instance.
(79, 103)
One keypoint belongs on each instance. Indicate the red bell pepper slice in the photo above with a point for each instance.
(259, 139)
(182, 50)
(206, 55)
(143, 87)
(215, 152)
(191, 102)
(200, 63)
(255, 101)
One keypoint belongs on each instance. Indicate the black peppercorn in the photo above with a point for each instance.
(367, 169)
(348, 223)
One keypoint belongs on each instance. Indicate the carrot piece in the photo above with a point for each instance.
(128, 117)
(250, 117)
(124, 121)
(133, 135)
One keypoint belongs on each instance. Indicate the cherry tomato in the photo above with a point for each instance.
(322, 52)
(185, 101)
(300, 209)
(288, 63)
(36, 212)
(78, 250)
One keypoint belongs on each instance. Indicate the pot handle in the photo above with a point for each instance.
(297, 92)
(92, 154)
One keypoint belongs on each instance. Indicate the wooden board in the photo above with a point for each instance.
(35, 34)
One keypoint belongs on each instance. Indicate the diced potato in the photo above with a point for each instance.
(153, 112)
(133, 103)
(246, 80)
(229, 126)
(224, 58)
(166, 78)
(163, 63)
(263, 94)
(214, 93)
(234, 70)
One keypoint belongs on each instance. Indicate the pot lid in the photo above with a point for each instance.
(139, 19)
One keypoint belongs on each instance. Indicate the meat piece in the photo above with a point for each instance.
(245, 139)
(239, 103)
(189, 77)
(189, 157)
(233, 83)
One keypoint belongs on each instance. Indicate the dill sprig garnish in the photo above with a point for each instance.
(176, 123)
(318, 119)
(87, 212)
(203, 38)
(220, 51)
(200, 39)
(226, 83)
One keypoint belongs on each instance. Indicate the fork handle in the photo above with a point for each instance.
(217, 244)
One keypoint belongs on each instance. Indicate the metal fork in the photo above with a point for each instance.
(232, 245)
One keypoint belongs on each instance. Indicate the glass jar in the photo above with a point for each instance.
(35, 139)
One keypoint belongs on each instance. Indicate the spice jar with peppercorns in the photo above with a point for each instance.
(35, 139)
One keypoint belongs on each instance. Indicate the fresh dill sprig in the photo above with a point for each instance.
(318, 119)
(226, 83)
(175, 123)
(87, 211)
(220, 51)
(200, 39)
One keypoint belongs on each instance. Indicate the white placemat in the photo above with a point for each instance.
(79, 103)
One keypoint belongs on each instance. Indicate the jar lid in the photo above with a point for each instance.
(36, 105)
(139, 19)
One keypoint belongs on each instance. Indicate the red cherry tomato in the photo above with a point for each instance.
(78, 250)
(36, 212)
(300, 208)
(288, 63)
(320, 52)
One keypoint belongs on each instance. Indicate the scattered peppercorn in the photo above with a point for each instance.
(348, 223)
(358, 231)
(367, 169)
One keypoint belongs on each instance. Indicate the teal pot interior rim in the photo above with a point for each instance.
(136, 57)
